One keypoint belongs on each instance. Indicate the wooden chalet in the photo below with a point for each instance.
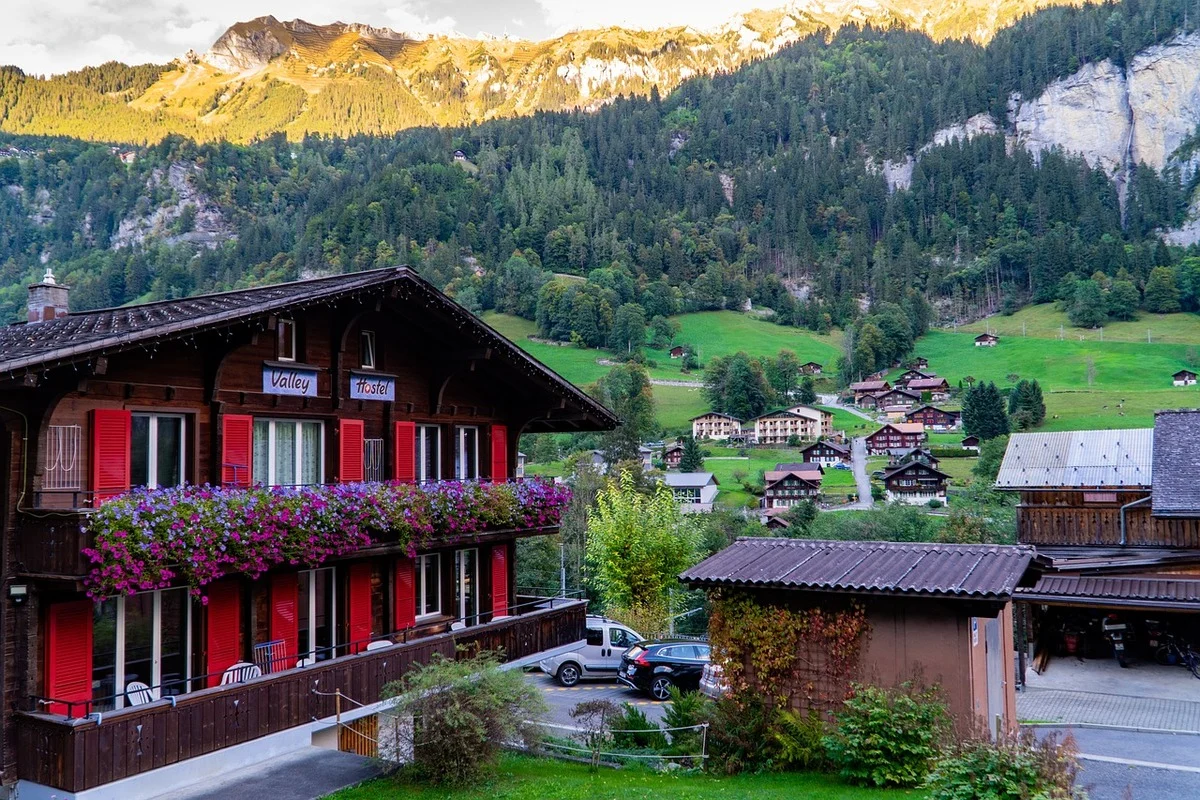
(811, 368)
(934, 418)
(673, 456)
(1117, 513)
(915, 482)
(912, 374)
(920, 362)
(937, 387)
(789, 484)
(678, 352)
(896, 400)
(826, 453)
(987, 340)
(896, 437)
(871, 387)
(371, 383)
(868, 401)
(1185, 377)
(970, 443)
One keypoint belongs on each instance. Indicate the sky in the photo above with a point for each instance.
(51, 36)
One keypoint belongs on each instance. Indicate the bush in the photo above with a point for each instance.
(740, 736)
(1017, 768)
(801, 740)
(888, 737)
(463, 712)
(634, 719)
(686, 709)
(935, 503)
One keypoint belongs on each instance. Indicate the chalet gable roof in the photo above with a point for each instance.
(927, 383)
(908, 465)
(1078, 459)
(1176, 491)
(83, 335)
(979, 572)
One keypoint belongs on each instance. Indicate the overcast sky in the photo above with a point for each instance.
(49, 36)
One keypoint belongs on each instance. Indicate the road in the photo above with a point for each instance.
(561, 700)
(1135, 765)
(858, 462)
(833, 401)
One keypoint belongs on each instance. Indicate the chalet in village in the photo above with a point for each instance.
(222, 511)
(896, 437)
(826, 453)
(934, 418)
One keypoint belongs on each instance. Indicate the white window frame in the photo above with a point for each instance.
(460, 446)
(460, 564)
(366, 350)
(428, 607)
(272, 422)
(156, 647)
(152, 449)
(311, 574)
(421, 476)
(279, 339)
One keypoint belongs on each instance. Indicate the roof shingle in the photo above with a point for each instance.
(1176, 489)
(1078, 459)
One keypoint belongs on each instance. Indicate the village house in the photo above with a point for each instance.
(1185, 377)
(987, 340)
(934, 418)
(789, 484)
(864, 388)
(941, 611)
(677, 351)
(911, 375)
(920, 362)
(896, 400)
(359, 391)
(868, 402)
(826, 453)
(672, 456)
(803, 422)
(937, 387)
(715, 426)
(896, 437)
(810, 368)
(914, 482)
(694, 491)
(970, 443)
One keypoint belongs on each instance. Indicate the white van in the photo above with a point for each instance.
(607, 639)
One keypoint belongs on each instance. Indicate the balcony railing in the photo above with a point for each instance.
(77, 754)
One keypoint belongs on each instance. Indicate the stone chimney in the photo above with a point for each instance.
(48, 299)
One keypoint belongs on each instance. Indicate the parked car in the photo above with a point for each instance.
(655, 666)
(841, 465)
(607, 639)
(712, 681)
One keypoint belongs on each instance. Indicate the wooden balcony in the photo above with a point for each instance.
(74, 755)
(51, 544)
(1101, 526)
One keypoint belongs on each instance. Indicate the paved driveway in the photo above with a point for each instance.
(1127, 765)
(561, 700)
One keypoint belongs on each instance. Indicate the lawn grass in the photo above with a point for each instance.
(959, 469)
(676, 405)
(729, 461)
(525, 778)
(1044, 321)
(852, 424)
(838, 483)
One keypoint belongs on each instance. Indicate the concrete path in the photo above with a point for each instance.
(1096, 708)
(833, 401)
(686, 384)
(1127, 765)
(304, 775)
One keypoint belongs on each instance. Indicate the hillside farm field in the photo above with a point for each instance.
(1045, 322)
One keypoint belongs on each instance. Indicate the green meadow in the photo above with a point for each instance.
(1045, 322)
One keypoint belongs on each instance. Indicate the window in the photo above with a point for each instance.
(145, 638)
(466, 453)
(156, 450)
(288, 452)
(1099, 497)
(285, 349)
(595, 637)
(429, 460)
(466, 585)
(316, 608)
(619, 637)
(373, 459)
(429, 584)
(63, 467)
(366, 349)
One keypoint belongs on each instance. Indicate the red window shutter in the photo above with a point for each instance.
(69, 656)
(358, 606)
(499, 580)
(283, 617)
(110, 453)
(351, 448)
(406, 595)
(224, 632)
(406, 451)
(237, 453)
(499, 453)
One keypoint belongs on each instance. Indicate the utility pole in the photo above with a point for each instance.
(562, 570)
(1147, 336)
(1022, 328)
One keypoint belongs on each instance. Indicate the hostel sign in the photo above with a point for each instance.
(290, 380)
(372, 386)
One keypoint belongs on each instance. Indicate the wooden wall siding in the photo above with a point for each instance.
(78, 755)
(360, 736)
(1102, 526)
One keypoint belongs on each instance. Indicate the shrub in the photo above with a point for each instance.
(686, 709)
(740, 736)
(800, 739)
(631, 725)
(1016, 768)
(462, 713)
(888, 737)
(935, 504)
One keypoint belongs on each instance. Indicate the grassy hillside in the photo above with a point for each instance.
(1044, 322)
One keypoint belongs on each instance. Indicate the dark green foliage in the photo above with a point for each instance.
(1087, 308)
(807, 394)
(626, 391)
(983, 412)
(634, 732)
(740, 736)
(693, 458)
(1162, 294)
(1123, 300)
(801, 740)
(685, 710)
(1014, 768)
(736, 385)
(991, 454)
(800, 518)
(888, 737)
(1026, 405)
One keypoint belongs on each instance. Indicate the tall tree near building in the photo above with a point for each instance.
(983, 412)
(736, 385)
(626, 390)
(693, 458)
(807, 393)
(628, 329)
(1162, 293)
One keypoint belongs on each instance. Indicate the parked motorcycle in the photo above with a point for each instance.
(1117, 633)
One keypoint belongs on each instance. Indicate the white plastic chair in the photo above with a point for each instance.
(241, 671)
(138, 694)
(307, 661)
(379, 644)
(458, 625)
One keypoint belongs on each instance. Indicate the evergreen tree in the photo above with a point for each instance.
(693, 457)
(807, 393)
(983, 412)
(626, 390)
(1025, 404)
(628, 329)
(1162, 293)
(1123, 300)
(1087, 309)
